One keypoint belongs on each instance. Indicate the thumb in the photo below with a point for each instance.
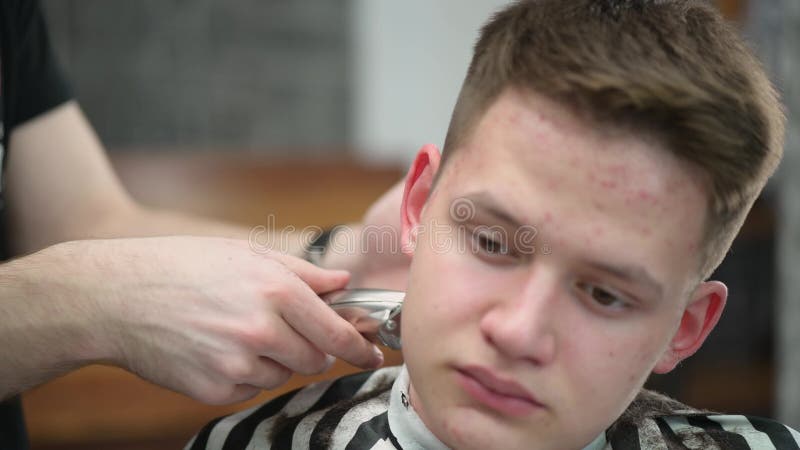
(318, 279)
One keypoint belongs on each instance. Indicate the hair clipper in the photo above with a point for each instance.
(374, 312)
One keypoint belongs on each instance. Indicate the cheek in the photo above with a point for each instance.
(453, 282)
(614, 365)
(434, 295)
(446, 298)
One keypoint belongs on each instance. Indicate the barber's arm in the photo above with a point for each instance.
(201, 315)
(61, 187)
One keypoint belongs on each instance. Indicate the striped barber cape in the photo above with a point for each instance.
(370, 410)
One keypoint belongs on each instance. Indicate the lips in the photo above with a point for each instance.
(497, 392)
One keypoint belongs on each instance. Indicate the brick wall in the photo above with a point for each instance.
(208, 73)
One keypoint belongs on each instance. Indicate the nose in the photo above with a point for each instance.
(523, 326)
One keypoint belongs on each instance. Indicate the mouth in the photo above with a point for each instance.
(496, 392)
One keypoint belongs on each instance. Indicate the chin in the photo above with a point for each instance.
(467, 428)
(463, 428)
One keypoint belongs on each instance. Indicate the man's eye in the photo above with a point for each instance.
(603, 297)
(491, 244)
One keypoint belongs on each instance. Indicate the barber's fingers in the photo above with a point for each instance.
(328, 332)
(221, 392)
(312, 318)
(266, 374)
(240, 378)
(242, 392)
(293, 351)
(318, 279)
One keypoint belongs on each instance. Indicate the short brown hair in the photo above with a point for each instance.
(675, 68)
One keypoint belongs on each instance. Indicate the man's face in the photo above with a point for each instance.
(513, 343)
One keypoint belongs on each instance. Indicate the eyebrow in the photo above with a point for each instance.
(485, 201)
(632, 274)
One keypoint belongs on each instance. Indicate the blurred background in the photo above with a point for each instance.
(308, 111)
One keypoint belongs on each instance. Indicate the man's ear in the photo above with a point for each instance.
(699, 318)
(419, 183)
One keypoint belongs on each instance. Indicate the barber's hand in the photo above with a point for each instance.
(210, 318)
(378, 261)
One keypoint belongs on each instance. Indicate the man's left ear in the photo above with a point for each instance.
(699, 318)
(419, 183)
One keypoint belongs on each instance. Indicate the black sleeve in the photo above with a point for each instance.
(31, 82)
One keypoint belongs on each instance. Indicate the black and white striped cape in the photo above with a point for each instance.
(352, 413)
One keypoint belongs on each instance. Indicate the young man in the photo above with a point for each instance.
(600, 160)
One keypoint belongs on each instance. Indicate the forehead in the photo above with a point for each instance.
(588, 189)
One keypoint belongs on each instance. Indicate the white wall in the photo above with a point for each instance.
(409, 59)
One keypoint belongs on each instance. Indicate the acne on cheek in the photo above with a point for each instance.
(608, 184)
(618, 170)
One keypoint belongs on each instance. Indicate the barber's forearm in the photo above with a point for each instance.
(142, 221)
(349, 249)
(46, 327)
